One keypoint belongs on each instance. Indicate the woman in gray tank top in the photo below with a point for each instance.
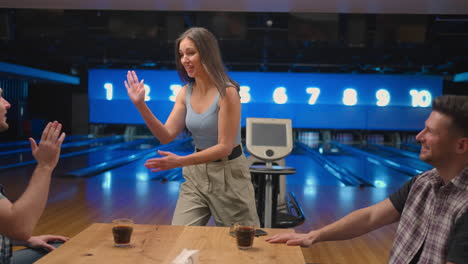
(217, 178)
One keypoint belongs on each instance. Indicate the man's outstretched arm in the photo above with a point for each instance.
(352, 225)
(17, 220)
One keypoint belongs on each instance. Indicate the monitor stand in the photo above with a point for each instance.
(268, 171)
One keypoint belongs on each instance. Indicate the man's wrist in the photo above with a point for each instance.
(20, 243)
(315, 236)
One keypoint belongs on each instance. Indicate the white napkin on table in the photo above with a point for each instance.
(187, 256)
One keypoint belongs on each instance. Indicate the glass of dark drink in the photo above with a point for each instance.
(122, 230)
(245, 234)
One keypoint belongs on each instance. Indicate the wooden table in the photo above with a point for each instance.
(162, 243)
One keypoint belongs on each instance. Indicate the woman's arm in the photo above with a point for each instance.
(228, 125)
(175, 123)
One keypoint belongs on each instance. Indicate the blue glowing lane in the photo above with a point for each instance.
(309, 172)
(368, 168)
(398, 158)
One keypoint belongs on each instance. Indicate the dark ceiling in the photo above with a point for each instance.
(71, 41)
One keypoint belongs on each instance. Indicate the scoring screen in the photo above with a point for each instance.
(311, 100)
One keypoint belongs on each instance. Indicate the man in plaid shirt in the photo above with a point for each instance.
(18, 219)
(431, 208)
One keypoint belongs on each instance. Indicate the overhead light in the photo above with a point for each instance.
(461, 77)
(149, 64)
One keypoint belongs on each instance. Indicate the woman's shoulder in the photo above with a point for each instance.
(230, 96)
(182, 93)
(231, 91)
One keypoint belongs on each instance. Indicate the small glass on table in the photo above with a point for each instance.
(122, 230)
(245, 234)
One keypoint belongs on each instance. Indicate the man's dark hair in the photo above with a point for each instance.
(455, 106)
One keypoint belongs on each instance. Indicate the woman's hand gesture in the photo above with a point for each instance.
(166, 162)
(135, 88)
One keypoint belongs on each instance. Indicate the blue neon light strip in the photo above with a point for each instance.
(29, 72)
(26, 142)
(67, 145)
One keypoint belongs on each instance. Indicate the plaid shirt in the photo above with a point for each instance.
(5, 243)
(5, 250)
(430, 213)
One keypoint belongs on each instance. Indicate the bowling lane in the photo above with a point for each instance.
(94, 162)
(410, 147)
(86, 156)
(369, 169)
(134, 183)
(398, 158)
(24, 154)
(15, 145)
(308, 171)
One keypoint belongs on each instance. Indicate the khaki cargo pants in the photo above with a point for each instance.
(220, 189)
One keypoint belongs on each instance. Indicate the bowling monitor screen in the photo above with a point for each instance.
(310, 100)
(269, 138)
(269, 135)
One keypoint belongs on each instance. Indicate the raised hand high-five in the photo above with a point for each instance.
(48, 151)
(135, 88)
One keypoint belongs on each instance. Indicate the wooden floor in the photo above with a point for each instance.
(75, 203)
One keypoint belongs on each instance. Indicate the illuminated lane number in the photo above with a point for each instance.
(421, 98)
(245, 94)
(280, 96)
(147, 92)
(109, 87)
(109, 90)
(175, 88)
(350, 97)
(314, 94)
(383, 97)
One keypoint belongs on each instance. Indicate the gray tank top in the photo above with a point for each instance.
(204, 126)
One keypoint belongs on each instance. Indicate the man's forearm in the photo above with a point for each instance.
(28, 208)
(352, 225)
(360, 222)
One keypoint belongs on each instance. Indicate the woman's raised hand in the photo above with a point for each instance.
(135, 88)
